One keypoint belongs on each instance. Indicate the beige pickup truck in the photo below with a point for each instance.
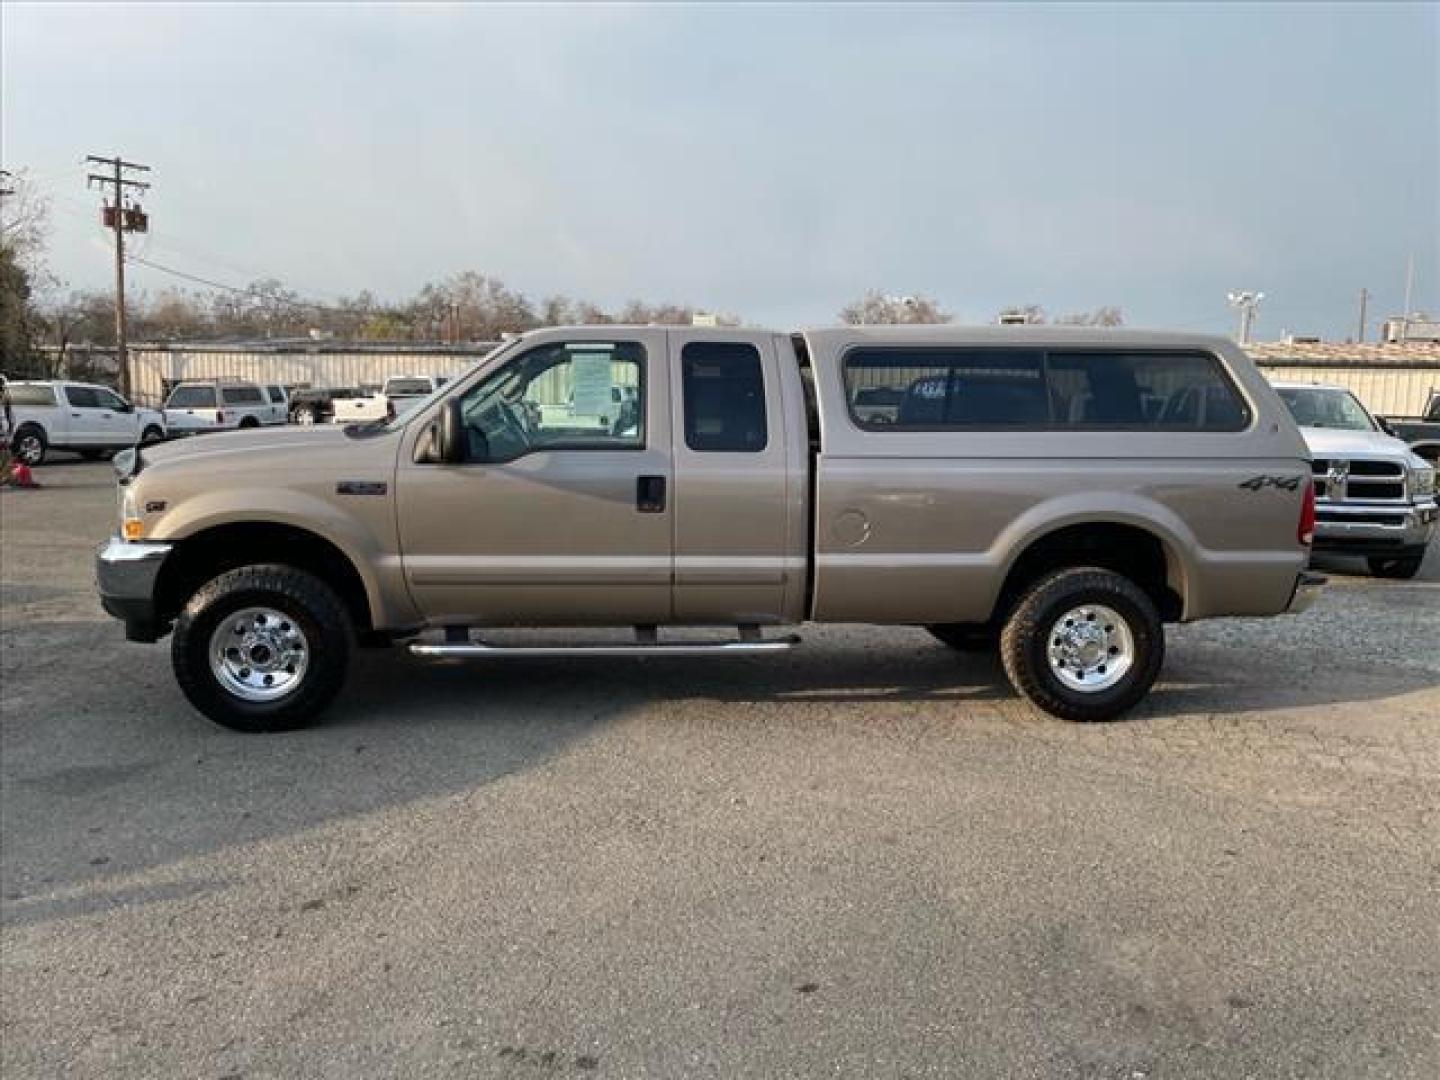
(1058, 494)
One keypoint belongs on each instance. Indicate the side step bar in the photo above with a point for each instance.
(479, 650)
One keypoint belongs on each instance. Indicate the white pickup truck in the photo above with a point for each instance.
(91, 420)
(399, 395)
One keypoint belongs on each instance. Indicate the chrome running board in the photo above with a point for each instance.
(479, 650)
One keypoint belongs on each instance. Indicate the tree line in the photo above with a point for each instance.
(35, 308)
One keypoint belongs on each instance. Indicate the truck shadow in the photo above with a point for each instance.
(115, 791)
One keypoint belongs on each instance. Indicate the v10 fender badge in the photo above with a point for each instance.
(361, 487)
(1255, 483)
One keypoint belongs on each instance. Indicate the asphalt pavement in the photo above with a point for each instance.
(867, 859)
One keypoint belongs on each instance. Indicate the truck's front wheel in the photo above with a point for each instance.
(1083, 644)
(262, 648)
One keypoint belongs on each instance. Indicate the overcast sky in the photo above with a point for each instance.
(770, 161)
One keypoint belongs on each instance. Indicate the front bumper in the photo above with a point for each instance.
(125, 575)
(1359, 528)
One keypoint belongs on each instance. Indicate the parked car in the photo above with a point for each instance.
(220, 405)
(1422, 432)
(89, 419)
(398, 395)
(316, 405)
(749, 491)
(1375, 497)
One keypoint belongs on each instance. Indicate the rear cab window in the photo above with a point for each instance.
(928, 389)
(724, 390)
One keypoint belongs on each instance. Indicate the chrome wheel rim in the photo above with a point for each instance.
(1090, 648)
(259, 654)
(29, 448)
(305, 417)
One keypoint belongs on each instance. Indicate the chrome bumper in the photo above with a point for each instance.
(1342, 525)
(125, 574)
(1308, 587)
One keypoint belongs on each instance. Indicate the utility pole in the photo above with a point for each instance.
(1364, 299)
(121, 219)
(1409, 290)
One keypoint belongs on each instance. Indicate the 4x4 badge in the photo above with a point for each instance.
(1287, 483)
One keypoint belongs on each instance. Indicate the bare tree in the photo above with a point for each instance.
(876, 308)
(1101, 316)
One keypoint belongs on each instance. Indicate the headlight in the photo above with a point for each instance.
(125, 463)
(1422, 481)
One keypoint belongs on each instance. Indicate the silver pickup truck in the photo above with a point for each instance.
(1058, 494)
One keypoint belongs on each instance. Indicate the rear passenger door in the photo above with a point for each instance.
(733, 545)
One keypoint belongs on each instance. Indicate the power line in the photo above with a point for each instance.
(242, 291)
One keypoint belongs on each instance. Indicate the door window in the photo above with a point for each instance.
(568, 395)
(111, 400)
(277, 395)
(242, 395)
(82, 397)
(724, 397)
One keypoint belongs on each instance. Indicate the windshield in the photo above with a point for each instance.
(420, 406)
(1321, 408)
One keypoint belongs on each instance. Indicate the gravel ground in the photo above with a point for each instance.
(867, 859)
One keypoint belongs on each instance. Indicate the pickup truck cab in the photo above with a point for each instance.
(223, 405)
(89, 419)
(1374, 496)
(1057, 493)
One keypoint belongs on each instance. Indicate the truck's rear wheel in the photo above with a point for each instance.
(262, 648)
(1083, 644)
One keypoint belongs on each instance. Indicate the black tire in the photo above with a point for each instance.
(307, 416)
(1025, 642)
(1396, 567)
(29, 444)
(151, 434)
(315, 609)
(967, 637)
(249, 422)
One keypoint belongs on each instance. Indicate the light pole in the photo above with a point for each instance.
(1246, 302)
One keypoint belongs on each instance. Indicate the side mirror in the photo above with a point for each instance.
(1384, 425)
(450, 434)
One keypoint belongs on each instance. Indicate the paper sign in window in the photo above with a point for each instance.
(593, 380)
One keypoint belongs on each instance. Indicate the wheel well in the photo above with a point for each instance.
(201, 557)
(1126, 549)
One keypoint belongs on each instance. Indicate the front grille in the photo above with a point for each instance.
(1365, 481)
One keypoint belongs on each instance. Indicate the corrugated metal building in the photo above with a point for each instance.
(1391, 379)
(154, 368)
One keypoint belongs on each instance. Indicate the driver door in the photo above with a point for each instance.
(561, 514)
